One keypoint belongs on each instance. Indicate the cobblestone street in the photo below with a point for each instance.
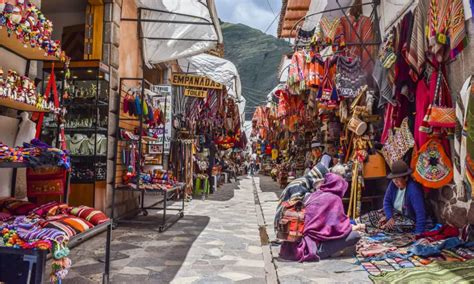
(218, 241)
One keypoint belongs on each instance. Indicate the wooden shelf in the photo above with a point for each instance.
(20, 106)
(13, 165)
(14, 45)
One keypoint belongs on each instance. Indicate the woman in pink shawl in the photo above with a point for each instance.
(327, 228)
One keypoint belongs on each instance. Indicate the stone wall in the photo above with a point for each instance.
(124, 201)
(450, 204)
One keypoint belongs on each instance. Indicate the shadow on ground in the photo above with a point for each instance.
(139, 253)
(224, 192)
(268, 185)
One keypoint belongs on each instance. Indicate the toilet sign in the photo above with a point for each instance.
(195, 93)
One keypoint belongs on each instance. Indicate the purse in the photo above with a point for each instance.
(398, 144)
(375, 167)
(45, 181)
(438, 115)
(327, 91)
(431, 166)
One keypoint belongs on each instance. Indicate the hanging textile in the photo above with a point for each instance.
(460, 136)
(469, 132)
(446, 30)
(363, 27)
(415, 54)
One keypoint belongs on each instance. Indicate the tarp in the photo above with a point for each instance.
(218, 69)
(172, 29)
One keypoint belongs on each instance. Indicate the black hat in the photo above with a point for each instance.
(399, 169)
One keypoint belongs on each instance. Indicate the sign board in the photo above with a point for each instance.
(195, 93)
(190, 80)
(161, 97)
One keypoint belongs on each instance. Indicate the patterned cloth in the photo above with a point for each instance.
(363, 27)
(89, 214)
(438, 272)
(446, 29)
(16, 207)
(415, 53)
(372, 219)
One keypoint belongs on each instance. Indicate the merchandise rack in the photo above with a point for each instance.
(86, 73)
(125, 121)
(31, 262)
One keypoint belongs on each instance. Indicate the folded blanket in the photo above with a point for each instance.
(92, 215)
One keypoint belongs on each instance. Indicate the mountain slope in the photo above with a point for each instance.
(257, 57)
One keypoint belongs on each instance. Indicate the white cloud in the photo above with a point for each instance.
(254, 13)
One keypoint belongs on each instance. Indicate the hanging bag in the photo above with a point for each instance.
(398, 144)
(441, 116)
(327, 91)
(431, 166)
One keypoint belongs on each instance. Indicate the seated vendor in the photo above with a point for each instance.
(327, 229)
(403, 196)
(319, 156)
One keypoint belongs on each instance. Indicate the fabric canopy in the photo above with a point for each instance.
(218, 69)
(173, 29)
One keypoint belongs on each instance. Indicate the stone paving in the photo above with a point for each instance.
(217, 241)
(336, 270)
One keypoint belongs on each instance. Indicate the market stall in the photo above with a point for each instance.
(34, 230)
(375, 95)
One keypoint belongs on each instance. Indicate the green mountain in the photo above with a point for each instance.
(257, 57)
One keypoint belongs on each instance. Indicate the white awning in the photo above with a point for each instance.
(218, 69)
(172, 29)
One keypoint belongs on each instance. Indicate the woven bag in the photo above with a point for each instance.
(441, 116)
(398, 144)
(431, 166)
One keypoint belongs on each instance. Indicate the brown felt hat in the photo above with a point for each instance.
(399, 169)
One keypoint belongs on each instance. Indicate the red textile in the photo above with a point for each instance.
(444, 232)
(92, 215)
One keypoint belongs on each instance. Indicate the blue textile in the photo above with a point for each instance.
(429, 250)
(413, 207)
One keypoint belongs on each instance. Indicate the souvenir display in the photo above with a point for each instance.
(337, 78)
(28, 24)
(22, 89)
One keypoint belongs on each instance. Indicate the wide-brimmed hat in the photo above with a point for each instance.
(399, 169)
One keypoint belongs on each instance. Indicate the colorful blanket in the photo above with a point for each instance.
(438, 272)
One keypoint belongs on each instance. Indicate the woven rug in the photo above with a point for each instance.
(438, 272)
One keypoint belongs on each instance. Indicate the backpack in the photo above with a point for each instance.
(290, 226)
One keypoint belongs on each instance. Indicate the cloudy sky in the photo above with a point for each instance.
(257, 14)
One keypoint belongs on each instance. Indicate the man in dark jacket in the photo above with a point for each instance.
(404, 196)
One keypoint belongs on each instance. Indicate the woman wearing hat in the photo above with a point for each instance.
(317, 152)
(403, 196)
